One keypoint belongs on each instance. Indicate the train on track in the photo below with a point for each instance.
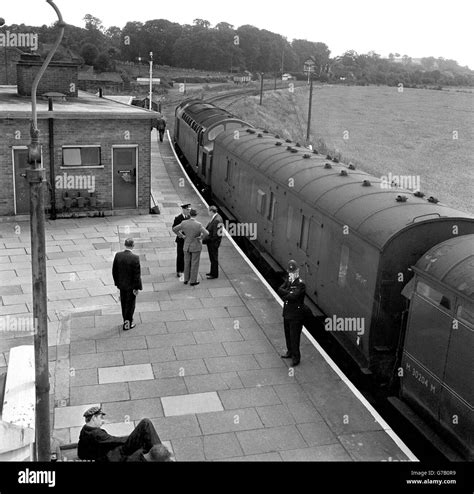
(393, 271)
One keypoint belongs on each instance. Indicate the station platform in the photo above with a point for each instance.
(203, 363)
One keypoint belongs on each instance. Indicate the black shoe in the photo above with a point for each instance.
(186, 282)
(194, 284)
(286, 355)
(208, 274)
(179, 275)
(296, 362)
(209, 277)
(126, 327)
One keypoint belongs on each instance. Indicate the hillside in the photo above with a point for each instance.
(429, 134)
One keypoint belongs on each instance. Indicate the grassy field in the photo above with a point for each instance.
(423, 133)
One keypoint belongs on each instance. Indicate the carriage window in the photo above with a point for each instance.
(343, 266)
(213, 133)
(289, 222)
(261, 201)
(465, 314)
(271, 210)
(204, 164)
(434, 295)
(304, 233)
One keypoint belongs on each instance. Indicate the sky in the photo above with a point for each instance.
(417, 28)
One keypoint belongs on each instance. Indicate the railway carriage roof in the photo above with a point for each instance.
(452, 263)
(372, 211)
(205, 114)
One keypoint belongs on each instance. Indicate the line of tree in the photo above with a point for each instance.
(229, 49)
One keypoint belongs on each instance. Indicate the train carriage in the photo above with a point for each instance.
(356, 238)
(437, 363)
(197, 124)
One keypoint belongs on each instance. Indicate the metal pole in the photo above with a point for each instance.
(51, 161)
(36, 178)
(151, 80)
(309, 108)
(261, 87)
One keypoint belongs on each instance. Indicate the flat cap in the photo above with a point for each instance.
(185, 206)
(93, 411)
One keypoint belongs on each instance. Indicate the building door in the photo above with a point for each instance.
(124, 170)
(21, 189)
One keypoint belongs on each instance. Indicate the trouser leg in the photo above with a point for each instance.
(128, 300)
(295, 334)
(286, 325)
(213, 258)
(179, 258)
(143, 436)
(187, 265)
(195, 257)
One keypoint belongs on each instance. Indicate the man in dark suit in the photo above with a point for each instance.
(193, 232)
(185, 208)
(213, 241)
(293, 292)
(127, 278)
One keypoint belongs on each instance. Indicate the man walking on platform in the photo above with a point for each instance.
(185, 208)
(213, 241)
(192, 231)
(161, 126)
(127, 278)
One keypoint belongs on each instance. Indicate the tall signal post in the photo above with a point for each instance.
(309, 68)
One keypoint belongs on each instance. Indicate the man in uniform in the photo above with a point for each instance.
(292, 291)
(193, 232)
(213, 241)
(180, 239)
(97, 445)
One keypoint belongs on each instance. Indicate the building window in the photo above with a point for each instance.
(304, 233)
(81, 156)
(433, 295)
(289, 222)
(261, 202)
(343, 266)
(271, 210)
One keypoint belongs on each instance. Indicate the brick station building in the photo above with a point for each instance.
(96, 152)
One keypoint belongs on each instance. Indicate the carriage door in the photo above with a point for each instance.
(124, 172)
(22, 192)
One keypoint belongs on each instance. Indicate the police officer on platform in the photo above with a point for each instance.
(292, 291)
(185, 210)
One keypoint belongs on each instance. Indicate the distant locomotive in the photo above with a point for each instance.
(358, 239)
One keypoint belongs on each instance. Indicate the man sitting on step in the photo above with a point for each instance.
(143, 444)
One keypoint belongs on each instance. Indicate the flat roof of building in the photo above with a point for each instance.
(85, 106)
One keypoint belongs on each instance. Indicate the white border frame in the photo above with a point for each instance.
(122, 146)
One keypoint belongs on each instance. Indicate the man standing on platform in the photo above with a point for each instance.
(180, 239)
(127, 278)
(292, 293)
(213, 241)
(193, 232)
